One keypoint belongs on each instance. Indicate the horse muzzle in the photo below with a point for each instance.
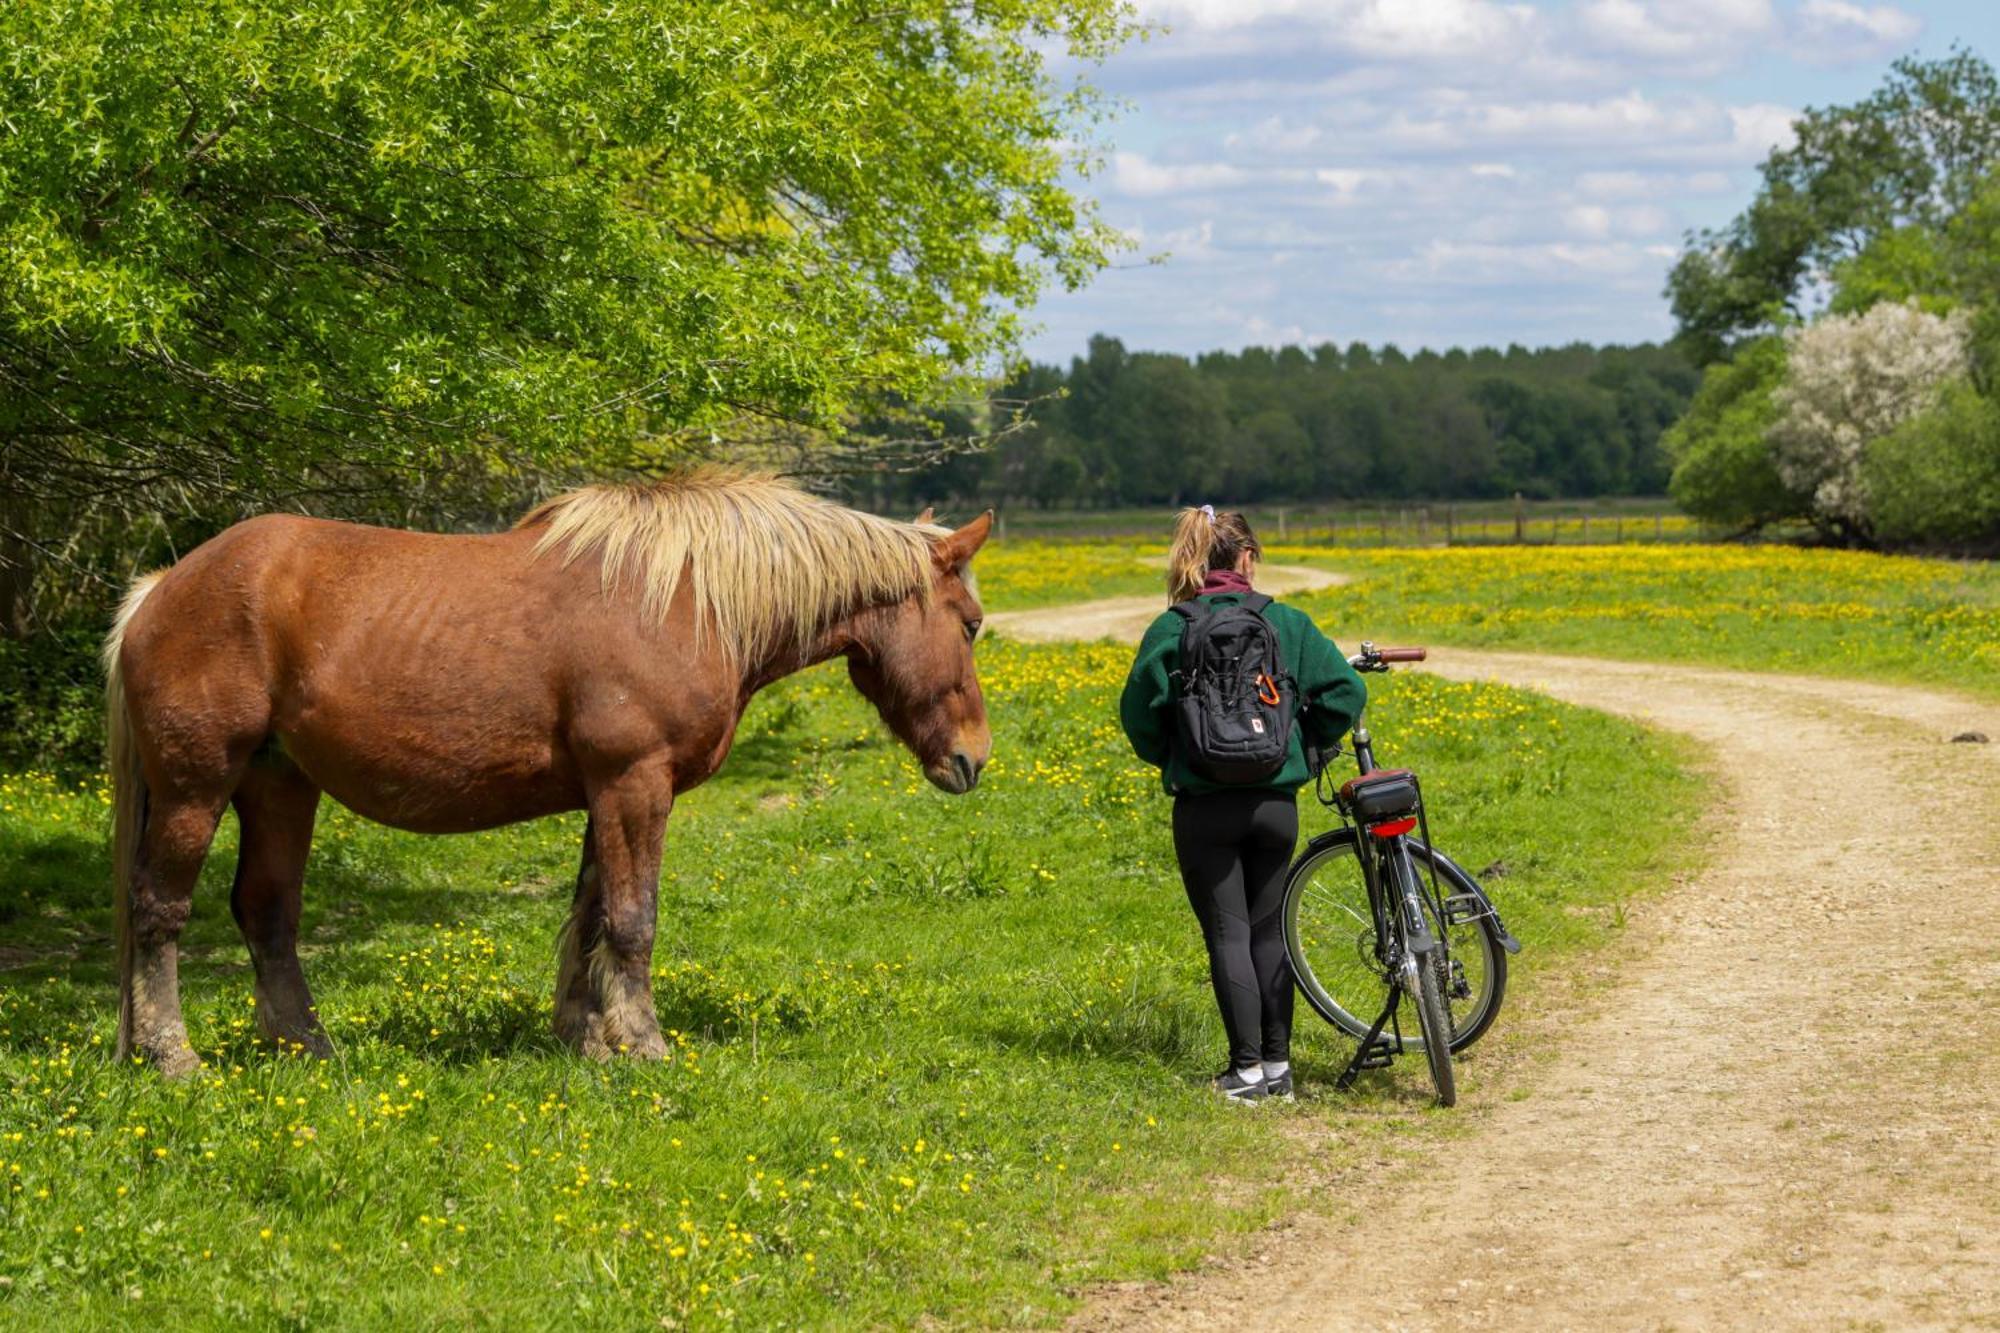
(957, 774)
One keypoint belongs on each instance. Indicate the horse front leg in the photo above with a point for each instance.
(628, 820)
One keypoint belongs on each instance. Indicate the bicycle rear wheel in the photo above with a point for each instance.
(1435, 1020)
(1330, 936)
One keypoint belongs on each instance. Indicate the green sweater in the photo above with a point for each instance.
(1330, 695)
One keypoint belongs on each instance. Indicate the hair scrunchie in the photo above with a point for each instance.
(1210, 511)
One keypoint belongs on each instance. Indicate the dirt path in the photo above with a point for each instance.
(1127, 617)
(1784, 1112)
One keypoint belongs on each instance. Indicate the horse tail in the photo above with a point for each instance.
(128, 801)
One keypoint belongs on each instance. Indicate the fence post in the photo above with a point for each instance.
(1450, 523)
(1586, 529)
(1659, 526)
(1281, 522)
(1520, 519)
(1618, 531)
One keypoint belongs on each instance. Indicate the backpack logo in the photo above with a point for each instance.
(1257, 725)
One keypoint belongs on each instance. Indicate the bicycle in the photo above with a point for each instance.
(1364, 928)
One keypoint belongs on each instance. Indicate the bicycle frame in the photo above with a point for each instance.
(1385, 861)
(1395, 851)
(1398, 896)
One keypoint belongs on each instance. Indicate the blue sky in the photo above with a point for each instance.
(1440, 172)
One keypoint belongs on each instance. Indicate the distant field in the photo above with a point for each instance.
(1397, 523)
(1841, 613)
(937, 1059)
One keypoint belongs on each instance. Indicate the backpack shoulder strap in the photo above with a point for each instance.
(1255, 601)
(1190, 610)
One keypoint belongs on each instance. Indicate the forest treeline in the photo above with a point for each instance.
(1120, 427)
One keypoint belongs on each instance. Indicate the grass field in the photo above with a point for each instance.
(1381, 523)
(1778, 608)
(936, 1059)
(1772, 608)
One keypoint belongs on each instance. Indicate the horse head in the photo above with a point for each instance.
(913, 661)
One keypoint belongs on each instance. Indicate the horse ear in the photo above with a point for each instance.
(957, 549)
(928, 516)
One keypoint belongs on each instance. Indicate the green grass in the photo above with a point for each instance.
(937, 1059)
(1371, 522)
(1769, 608)
(1020, 573)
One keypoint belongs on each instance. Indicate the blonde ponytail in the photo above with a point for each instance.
(1187, 558)
(1205, 540)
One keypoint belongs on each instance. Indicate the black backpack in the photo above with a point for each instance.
(1233, 701)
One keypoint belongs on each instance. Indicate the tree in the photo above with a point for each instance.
(1936, 478)
(1850, 380)
(1913, 153)
(328, 250)
(1722, 467)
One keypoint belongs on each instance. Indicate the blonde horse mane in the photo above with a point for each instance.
(763, 560)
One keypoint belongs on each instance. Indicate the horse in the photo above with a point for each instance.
(596, 656)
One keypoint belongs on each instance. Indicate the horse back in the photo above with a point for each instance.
(437, 682)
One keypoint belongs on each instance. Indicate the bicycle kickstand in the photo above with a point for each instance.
(1376, 1050)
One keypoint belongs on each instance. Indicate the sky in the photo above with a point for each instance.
(1440, 173)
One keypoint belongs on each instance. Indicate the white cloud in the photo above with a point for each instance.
(1837, 32)
(1275, 134)
(1689, 129)
(1437, 170)
(1222, 14)
(1438, 29)
(1759, 128)
(1704, 35)
(1347, 180)
(1597, 222)
(1629, 184)
(1388, 30)
(1139, 176)
(1495, 264)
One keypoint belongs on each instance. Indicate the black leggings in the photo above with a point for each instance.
(1234, 848)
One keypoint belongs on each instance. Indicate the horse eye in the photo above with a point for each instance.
(972, 629)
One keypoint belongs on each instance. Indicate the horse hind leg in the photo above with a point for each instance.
(579, 1021)
(276, 805)
(171, 847)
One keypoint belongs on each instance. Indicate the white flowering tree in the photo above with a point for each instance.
(1852, 379)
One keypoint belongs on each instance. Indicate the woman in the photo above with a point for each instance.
(1234, 843)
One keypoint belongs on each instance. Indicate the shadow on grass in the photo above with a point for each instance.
(772, 758)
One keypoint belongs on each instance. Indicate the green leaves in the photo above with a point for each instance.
(271, 250)
(1914, 152)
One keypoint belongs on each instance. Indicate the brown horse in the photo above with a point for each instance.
(598, 657)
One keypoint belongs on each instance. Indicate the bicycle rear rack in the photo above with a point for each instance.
(1378, 1048)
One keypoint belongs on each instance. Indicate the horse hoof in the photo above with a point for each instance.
(650, 1047)
(176, 1062)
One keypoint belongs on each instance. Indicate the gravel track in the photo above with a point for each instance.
(1781, 1110)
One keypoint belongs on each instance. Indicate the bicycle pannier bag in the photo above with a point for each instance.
(1382, 794)
(1234, 703)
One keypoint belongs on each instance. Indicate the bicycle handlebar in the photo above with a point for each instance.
(1371, 658)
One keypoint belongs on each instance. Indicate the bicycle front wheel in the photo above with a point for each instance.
(1330, 935)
